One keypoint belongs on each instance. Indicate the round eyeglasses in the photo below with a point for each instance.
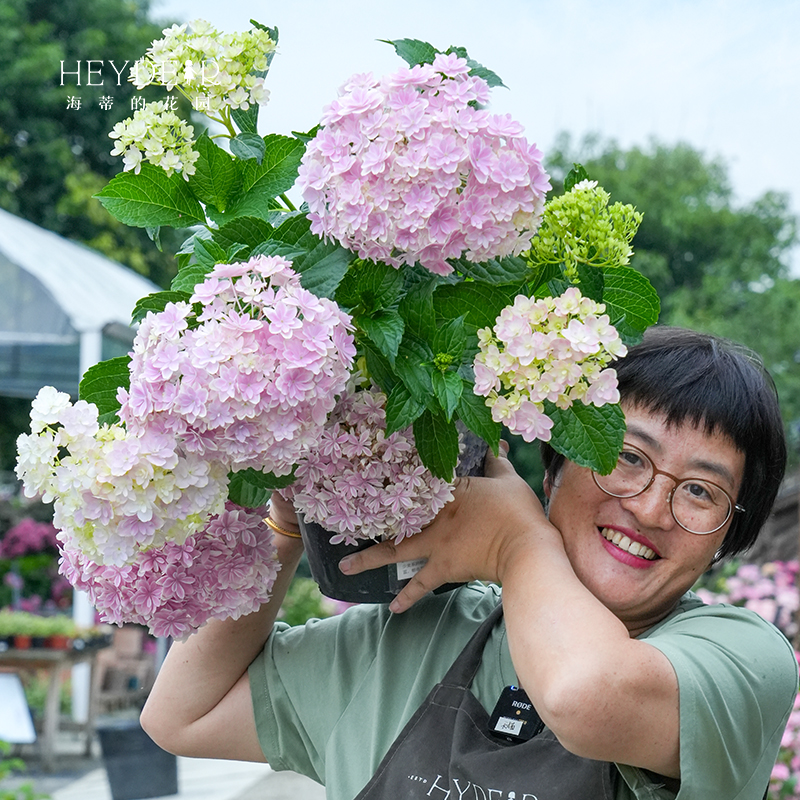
(697, 505)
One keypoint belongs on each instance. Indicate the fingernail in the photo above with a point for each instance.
(346, 564)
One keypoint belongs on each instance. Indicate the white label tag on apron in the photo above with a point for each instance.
(514, 717)
(408, 569)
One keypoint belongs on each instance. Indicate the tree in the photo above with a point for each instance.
(718, 268)
(63, 69)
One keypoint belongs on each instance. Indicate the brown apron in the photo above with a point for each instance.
(446, 751)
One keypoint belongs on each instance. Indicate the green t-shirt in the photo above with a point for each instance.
(330, 697)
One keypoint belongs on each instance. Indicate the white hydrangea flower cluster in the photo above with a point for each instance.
(116, 493)
(554, 349)
(216, 71)
(157, 135)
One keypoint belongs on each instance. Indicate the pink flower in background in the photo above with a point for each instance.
(28, 536)
(406, 170)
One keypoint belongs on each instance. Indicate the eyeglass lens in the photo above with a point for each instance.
(697, 505)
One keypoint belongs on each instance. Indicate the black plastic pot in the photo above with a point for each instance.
(378, 585)
(136, 766)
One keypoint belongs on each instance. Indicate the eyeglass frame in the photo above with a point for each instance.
(733, 507)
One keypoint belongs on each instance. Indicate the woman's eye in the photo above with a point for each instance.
(698, 491)
(629, 458)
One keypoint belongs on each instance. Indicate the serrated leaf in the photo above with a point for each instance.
(591, 282)
(251, 488)
(156, 302)
(151, 199)
(632, 303)
(451, 338)
(575, 175)
(447, 386)
(275, 175)
(275, 248)
(385, 330)
(216, 174)
(246, 120)
(475, 414)
(100, 383)
(587, 435)
(208, 253)
(307, 136)
(378, 367)
(371, 286)
(416, 308)
(248, 145)
(401, 409)
(511, 269)
(186, 280)
(479, 303)
(476, 69)
(155, 237)
(437, 443)
(249, 231)
(413, 51)
(413, 366)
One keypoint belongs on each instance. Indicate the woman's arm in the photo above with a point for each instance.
(606, 696)
(200, 704)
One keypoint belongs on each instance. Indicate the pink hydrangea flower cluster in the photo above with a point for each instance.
(226, 570)
(361, 483)
(251, 383)
(784, 783)
(555, 349)
(409, 168)
(28, 536)
(116, 493)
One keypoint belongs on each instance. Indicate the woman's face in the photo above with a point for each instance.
(642, 589)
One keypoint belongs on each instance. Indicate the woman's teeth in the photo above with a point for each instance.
(624, 543)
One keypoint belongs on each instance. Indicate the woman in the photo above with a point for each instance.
(605, 677)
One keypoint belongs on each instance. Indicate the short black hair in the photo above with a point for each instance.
(719, 385)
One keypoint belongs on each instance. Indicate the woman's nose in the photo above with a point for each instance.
(652, 507)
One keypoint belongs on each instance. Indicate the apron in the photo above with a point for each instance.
(446, 752)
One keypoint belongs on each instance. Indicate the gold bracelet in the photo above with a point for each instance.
(277, 528)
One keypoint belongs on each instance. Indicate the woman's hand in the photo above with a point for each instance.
(472, 538)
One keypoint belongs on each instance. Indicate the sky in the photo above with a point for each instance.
(720, 75)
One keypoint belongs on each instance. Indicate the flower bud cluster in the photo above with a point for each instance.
(227, 570)
(579, 227)
(554, 349)
(409, 168)
(116, 493)
(216, 71)
(250, 381)
(361, 483)
(158, 135)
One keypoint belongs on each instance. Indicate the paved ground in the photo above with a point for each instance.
(78, 777)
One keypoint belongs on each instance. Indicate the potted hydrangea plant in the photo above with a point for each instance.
(340, 351)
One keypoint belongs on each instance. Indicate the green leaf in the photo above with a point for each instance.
(401, 409)
(632, 303)
(479, 303)
(208, 253)
(476, 69)
(413, 367)
(188, 278)
(378, 367)
(587, 435)
(272, 247)
(248, 145)
(100, 383)
(216, 174)
(413, 51)
(477, 416)
(307, 136)
(437, 443)
(591, 282)
(155, 237)
(151, 198)
(370, 285)
(416, 308)
(246, 121)
(511, 269)
(157, 302)
(575, 175)
(251, 488)
(275, 175)
(448, 387)
(249, 231)
(385, 329)
(451, 339)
